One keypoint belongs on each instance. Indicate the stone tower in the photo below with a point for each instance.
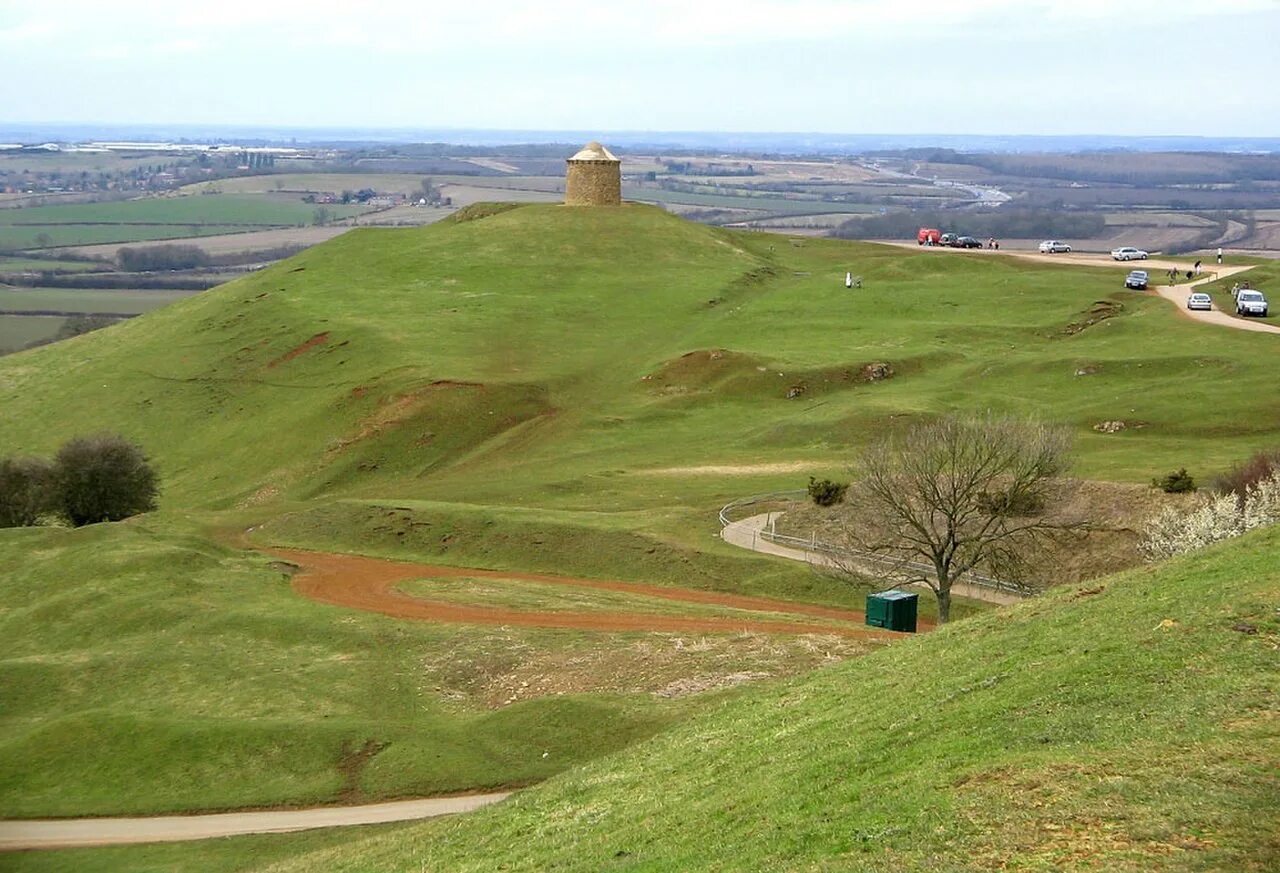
(593, 178)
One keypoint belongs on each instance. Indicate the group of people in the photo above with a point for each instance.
(993, 243)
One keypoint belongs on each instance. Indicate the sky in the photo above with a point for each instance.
(1119, 67)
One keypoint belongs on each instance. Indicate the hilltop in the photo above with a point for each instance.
(555, 349)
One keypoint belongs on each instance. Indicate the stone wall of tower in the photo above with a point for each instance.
(593, 183)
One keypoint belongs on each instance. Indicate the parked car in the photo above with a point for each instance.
(1128, 253)
(949, 239)
(928, 236)
(1137, 280)
(1199, 300)
(1251, 302)
(1053, 247)
(968, 242)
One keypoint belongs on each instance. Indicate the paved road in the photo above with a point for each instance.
(80, 832)
(746, 534)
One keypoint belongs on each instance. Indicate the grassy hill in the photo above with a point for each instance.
(555, 356)
(1129, 725)
(544, 389)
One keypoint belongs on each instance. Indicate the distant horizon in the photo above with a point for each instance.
(798, 141)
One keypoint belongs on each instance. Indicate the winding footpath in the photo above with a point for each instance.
(746, 534)
(86, 832)
(371, 585)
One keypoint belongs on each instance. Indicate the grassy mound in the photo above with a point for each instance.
(144, 671)
(530, 354)
(1126, 726)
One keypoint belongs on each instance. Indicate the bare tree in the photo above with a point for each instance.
(957, 496)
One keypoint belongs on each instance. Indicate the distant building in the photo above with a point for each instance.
(593, 177)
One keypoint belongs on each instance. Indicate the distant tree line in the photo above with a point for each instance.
(688, 168)
(165, 257)
(97, 478)
(999, 223)
(134, 281)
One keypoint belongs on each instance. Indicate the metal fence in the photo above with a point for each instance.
(816, 546)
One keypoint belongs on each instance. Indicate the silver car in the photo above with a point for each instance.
(1200, 300)
(1128, 253)
(1053, 247)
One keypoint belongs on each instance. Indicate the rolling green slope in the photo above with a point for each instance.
(1127, 726)
(554, 356)
(532, 388)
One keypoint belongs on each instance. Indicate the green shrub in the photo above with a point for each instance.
(103, 478)
(825, 492)
(28, 490)
(1180, 482)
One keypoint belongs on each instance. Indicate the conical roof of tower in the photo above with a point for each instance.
(593, 151)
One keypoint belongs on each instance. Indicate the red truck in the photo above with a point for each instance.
(928, 236)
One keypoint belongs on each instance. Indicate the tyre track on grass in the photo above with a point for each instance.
(370, 585)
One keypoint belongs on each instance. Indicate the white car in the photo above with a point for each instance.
(1053, 247)
(1251, 302)
(1128, 253)
(1200, 300)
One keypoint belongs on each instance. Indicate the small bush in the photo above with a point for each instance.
(28, 490)
(1179, 482)
(1006, 504)
(1240, 478)
(103, 478)
(825, 492)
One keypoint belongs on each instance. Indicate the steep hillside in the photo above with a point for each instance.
(1130, 725)
(556, 356)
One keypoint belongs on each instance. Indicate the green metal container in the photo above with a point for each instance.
(893, 610)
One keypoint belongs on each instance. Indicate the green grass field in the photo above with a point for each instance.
(41, 236)
(155, 219)
(537, 390)
(37, 265)
(219, 209)
(334, 183)
(18, 331)
(123, 301)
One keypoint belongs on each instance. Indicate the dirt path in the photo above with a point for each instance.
(369, 584)
(746, 534)
(81, 832)
(1177, 295)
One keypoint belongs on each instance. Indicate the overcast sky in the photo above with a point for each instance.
(1159, 67)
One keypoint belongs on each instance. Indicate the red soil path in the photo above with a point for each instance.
(369, 584)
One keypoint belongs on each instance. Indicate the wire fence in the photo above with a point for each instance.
(836, 552)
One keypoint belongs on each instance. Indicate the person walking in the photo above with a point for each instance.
(1197, 268)
(1219, 254)
(848, 280)
(1173, 275)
